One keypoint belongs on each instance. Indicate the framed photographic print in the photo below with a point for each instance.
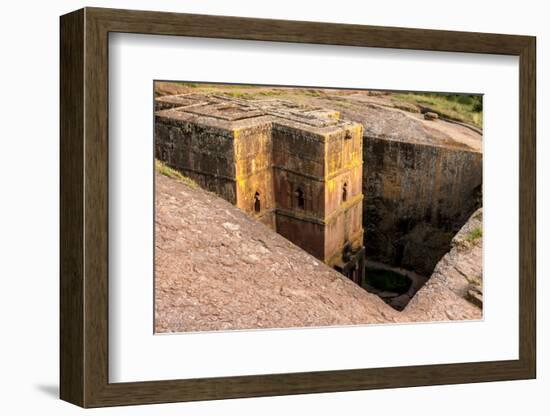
(255, 207)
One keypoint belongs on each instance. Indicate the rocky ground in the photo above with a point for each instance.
(387, 117)
(218, 269)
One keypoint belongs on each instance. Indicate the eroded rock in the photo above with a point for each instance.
(217, 268)
(430, 116)
(209, 277)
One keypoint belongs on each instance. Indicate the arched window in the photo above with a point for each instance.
(300, 200)
(345, 192)
(257, 203)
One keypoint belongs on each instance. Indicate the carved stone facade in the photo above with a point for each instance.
(297, 169)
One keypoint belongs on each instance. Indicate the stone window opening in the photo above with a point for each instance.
(300, 199)
(345, 192)
(257, 202)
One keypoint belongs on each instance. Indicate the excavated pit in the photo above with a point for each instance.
(421, 181)
(394, 285)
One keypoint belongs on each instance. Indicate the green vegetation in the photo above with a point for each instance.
(466, 108)
(252, 95)
(387, 280)
(166, 170)
(210, 86)
(474, 235)
(270, 93)
(188, 84)
(238, 94)
(313, 93)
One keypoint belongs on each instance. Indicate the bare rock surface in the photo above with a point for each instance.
(383, 118)
(216, 268)
(381, 115)
(430, 116)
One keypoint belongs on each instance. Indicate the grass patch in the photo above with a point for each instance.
(166, 170)
(313, 93)
(387, 280)
(466, 108)
(252, 95)
(211, 86)
(237, 94)
(474, 235)
(188, 84)
(345, 104)
(270, 93)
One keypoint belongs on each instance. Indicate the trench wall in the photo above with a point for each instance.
(416, 198)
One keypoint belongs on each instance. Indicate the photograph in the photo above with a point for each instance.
(275, 208)
(295, 207)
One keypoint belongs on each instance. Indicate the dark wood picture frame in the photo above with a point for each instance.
(84, 207)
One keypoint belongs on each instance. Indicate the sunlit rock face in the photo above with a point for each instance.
(217, 268)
